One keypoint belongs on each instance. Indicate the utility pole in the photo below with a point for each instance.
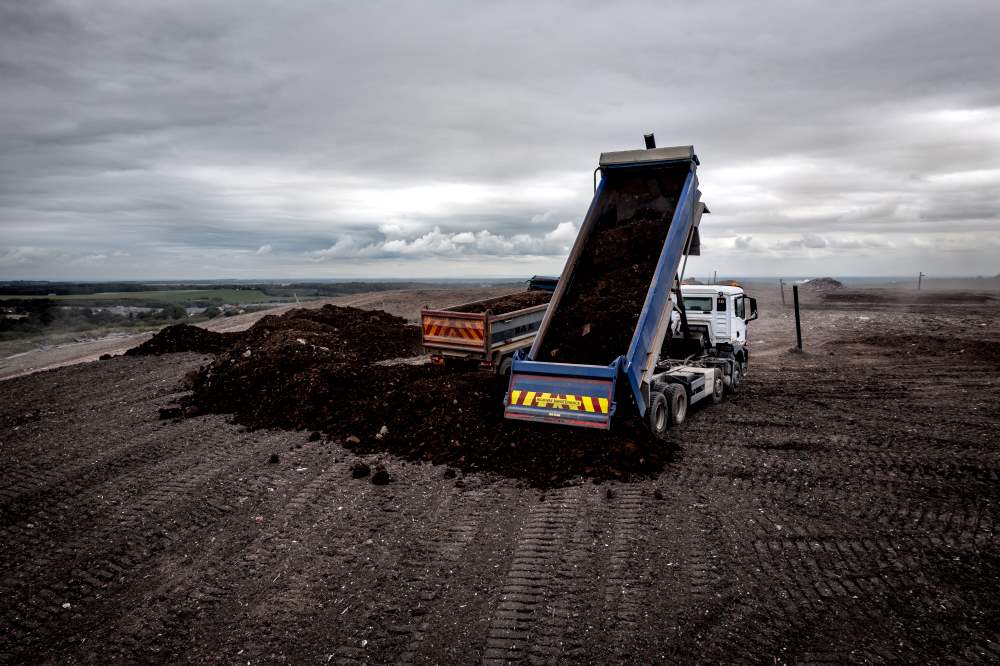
(715, 277)
(920, 279)
(782, 291)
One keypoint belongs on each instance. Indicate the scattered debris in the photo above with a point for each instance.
(360, 470)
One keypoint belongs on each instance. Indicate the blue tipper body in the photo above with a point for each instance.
(584, 395)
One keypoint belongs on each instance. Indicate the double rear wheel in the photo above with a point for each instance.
(667, 407)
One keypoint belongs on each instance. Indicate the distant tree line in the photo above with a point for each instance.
(38, 288)
(23, 317)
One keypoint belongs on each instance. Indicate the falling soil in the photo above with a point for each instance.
(505, 304)
(318, 370)
(185, 338)
(456, 418)
(600, 308)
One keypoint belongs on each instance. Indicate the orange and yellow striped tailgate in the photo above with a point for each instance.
(454, 331)
(572, 400)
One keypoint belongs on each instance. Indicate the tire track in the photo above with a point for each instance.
(431, 560)
(515, 628)
(626, 582)
(100, 561)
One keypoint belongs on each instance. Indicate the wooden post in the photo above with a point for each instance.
(782, 291)
(798, 323)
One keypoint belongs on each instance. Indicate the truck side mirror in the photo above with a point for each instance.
(753, 309)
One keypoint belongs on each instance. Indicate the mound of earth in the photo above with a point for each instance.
(303, 361)
(856, 296)
(600, 308)
(921, 346)
(325, 370)
(822, 284)
(508, 303)
(185, 338)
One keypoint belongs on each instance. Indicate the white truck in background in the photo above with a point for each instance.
(716, 318)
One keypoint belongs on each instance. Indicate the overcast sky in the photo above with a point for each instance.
(241, 139)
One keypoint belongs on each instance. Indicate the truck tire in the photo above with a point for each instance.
(658, 415)
(503, 370)
(735, 378)
(718, 387)
(677, 398)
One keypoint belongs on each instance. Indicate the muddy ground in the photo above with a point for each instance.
(842, 507)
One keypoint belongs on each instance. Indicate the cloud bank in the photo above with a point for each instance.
(231, 139)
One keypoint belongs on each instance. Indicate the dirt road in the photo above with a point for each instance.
(842, 507)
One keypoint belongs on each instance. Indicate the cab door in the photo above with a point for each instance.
(738, 320)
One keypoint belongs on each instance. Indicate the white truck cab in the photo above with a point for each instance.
(717, 318)
(720, 311)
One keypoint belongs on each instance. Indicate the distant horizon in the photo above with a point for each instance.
(480, 278)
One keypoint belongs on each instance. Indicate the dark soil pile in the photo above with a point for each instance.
(456, 418)
(185, 338)
(908, 295)
(822, 284)
(944, 297)
(923, 346)
(508, 303)
(859, 296)
(303, 362)
(320, 370)
(599, 311)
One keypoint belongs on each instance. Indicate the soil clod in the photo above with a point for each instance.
(173, 412)
(381, 476)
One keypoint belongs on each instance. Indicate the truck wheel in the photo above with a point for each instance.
(735, 378)
(503, 370)
(678, 399)
(718, 387)
(658, 415)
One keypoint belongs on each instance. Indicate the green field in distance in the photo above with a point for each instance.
(180, 296)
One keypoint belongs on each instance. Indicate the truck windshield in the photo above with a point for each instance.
(698, 303)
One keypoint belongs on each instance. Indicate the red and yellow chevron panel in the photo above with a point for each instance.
(454, 331)
(568, 401)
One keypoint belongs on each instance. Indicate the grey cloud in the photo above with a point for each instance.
(190, 133)
(436, 243)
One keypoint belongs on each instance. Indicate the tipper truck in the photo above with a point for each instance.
(616, 334)
(486, 332)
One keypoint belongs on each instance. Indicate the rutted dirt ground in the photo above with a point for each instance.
(843, 506)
